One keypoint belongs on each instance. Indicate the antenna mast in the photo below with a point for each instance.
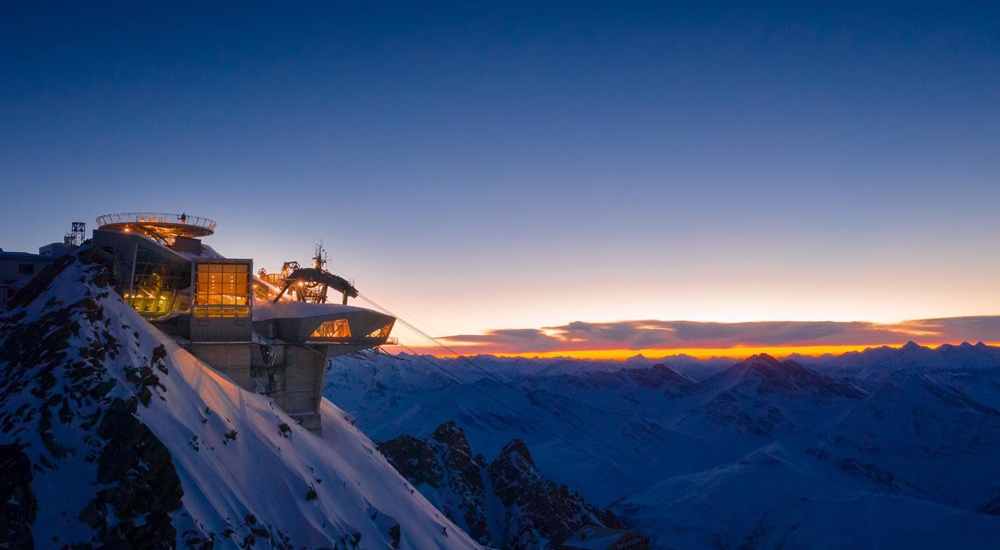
(75, 236)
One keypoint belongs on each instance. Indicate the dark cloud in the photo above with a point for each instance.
(658, 334)
(510, 341)
(971, 329)
(764, 333)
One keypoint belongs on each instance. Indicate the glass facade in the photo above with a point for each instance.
(337, 328)
(382, 332)
(221, 289)
(151, 280)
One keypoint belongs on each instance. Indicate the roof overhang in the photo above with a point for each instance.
(298, 322)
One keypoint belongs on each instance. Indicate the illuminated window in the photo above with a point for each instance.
(155, 280)
(221, 290)
(382, 332)
(337, 328)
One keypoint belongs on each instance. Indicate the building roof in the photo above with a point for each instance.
(293, 321)
(22, 256)
(264, 310)
(162, 226)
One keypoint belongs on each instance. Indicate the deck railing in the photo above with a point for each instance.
(156, 217)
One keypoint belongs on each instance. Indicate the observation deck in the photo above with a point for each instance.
(158, 225)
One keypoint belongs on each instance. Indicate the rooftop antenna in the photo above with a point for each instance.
(320, 259)
(75, 236)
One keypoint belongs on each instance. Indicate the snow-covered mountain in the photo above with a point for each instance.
(503, 504)
(886, 447)
(113, 435)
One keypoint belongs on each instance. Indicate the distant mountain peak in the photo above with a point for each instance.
(911, 346)
(763, 374)
(762, 358)
(671, 376)
(769, 366)
(764, 363)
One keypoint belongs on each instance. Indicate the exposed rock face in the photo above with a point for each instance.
(543, 509)
(421, 463)
(55, 368)
(464, 476)
(143, 482)
(528, 510)
(17, 502)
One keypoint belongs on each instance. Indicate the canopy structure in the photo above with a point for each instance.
(156, 225)
(306, 279)
(349, 328)
(309, 284)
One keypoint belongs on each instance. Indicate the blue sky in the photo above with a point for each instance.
(521, 164)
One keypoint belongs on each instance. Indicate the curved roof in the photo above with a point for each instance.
(316, 275)
(264, 310)
(299, 321)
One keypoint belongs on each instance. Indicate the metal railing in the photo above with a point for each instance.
(156, 217)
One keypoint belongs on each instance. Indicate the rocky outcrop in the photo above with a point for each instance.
(445, 463)
(58, 391)
(18, 505)
(545, 511)
(530, 511)
(142, 484)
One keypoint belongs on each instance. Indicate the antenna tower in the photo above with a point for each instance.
(75, 236)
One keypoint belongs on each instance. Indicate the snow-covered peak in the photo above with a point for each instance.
(763, 374)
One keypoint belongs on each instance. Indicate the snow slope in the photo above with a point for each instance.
(765, 501)
(114, 435)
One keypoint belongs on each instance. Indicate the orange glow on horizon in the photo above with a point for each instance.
(699, 353)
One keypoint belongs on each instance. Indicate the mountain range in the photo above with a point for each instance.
(881, 448)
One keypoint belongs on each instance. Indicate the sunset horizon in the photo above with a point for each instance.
(736, 352)
(604, 341)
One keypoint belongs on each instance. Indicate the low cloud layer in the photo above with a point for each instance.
(654, 334)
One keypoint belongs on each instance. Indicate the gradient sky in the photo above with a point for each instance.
(485, 166)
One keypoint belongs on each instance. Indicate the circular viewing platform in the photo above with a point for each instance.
(163, 226)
